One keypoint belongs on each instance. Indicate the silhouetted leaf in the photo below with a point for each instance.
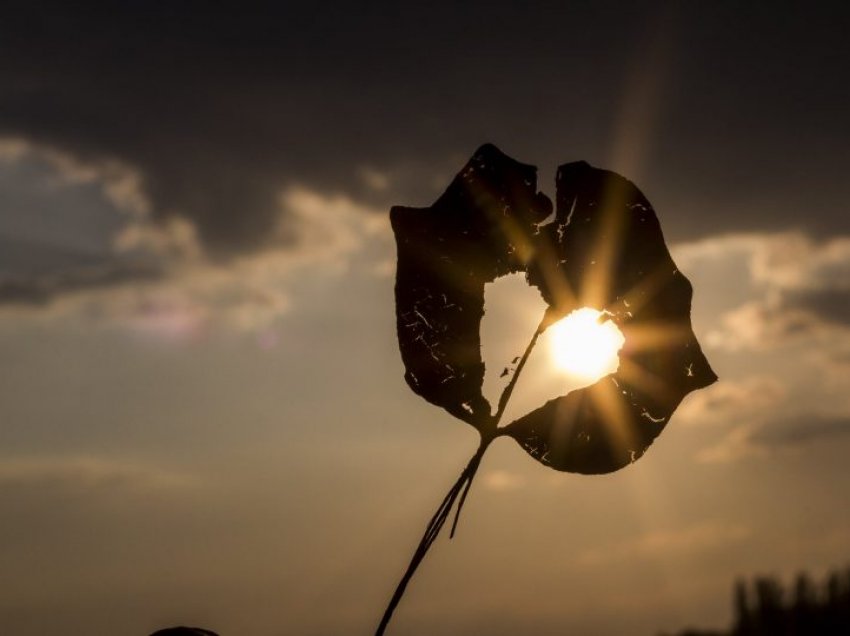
(478, 230)
(605, 249)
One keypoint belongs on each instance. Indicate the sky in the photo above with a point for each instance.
(204, 414)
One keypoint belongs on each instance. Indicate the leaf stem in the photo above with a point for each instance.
(461, 487)
(432, 531)
(506, 394)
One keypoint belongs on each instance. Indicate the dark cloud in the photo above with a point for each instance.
(800, 430)
(56, 271)
(828, 304)
(777, 435)
(219, 107)
(787, 315)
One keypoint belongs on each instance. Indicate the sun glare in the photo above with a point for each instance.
(585, 344)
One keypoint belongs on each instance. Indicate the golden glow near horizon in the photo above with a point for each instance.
(585, 345)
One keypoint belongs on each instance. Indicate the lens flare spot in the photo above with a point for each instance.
(585, 344)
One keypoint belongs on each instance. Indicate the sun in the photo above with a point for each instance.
(585, 344)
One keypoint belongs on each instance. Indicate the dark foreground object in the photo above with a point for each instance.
(184, 631)
(767, 608)
(601, 248)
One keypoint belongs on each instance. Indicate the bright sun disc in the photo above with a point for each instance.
(585, 345)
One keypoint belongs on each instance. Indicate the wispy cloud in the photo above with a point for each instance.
(87, 474)
(665, 543)
(803, 290)
(155, 276)
(733, 402)
(502, 481)
(120, 183)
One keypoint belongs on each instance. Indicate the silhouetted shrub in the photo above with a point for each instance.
(766, 608)
(184, 631)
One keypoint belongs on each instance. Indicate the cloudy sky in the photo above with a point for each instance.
(204, 418)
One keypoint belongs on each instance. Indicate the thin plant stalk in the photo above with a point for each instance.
(460, 488)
